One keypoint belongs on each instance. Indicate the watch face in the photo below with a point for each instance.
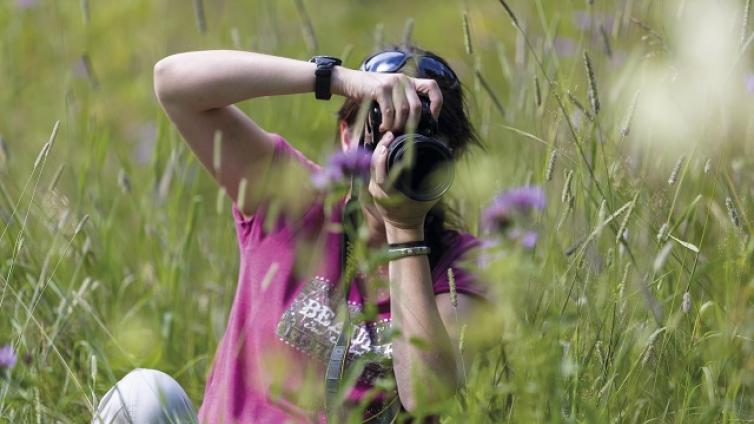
(326, 60)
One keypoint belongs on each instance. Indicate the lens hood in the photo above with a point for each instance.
(424, 166)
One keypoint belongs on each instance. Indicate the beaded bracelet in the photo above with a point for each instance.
(401, 250)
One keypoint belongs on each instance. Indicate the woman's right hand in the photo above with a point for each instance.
(396, 94)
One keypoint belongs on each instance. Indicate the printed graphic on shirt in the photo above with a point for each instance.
(310, 325)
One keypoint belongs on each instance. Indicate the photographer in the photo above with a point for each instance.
(271, 363)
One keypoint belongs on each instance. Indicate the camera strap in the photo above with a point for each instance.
(338, 356)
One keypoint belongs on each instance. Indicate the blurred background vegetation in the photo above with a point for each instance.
(117, 251)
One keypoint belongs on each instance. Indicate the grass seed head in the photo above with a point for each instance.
(123, 182)
(622, 233)
(579, 106)
(732, 212)
(452, 284)
(686, 303)
(551, 164)
(663, 233)
(650, 350)
(566, 194)
(606, 41)
(461, 336)
(80, 225)
(674, 173)
(622, 289)
(594, 99)
(467, 33)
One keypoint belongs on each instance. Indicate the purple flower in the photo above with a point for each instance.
(7, 357)
(497, 216)
(564, 46)
(583, 20)
(342, 165)
(25, 4)
(527, 239)
(507, 211)
(520, 200)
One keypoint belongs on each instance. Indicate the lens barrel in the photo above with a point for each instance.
(420, 165)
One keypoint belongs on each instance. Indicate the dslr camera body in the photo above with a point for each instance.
(419, 164)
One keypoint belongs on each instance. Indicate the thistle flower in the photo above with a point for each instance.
(514, 202)
(527, 239)
(524, 199)
(7, 357)
(511, 206)
(342, 165)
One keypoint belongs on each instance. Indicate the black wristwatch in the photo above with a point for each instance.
(323, 75)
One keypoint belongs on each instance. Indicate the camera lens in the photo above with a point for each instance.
(423, 166)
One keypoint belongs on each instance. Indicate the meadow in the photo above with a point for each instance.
(635, 305)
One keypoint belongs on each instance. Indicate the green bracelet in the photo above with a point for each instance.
(394, 253)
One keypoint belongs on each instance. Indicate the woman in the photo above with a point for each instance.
(270, 364)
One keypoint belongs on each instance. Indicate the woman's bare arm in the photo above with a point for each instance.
(198, 90)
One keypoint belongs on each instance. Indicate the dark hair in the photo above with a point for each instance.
(453, 123)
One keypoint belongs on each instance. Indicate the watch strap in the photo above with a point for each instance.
(323, 76)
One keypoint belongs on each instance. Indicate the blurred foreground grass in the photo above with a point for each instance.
(636, 305)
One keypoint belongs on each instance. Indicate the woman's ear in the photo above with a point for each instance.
(345, 135)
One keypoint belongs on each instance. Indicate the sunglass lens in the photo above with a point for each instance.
(435, 69)
(385, 62)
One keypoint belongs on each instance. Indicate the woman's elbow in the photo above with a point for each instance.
(166, 79)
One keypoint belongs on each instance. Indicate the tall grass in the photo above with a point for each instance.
(117, 251)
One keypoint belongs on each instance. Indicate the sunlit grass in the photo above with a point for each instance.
(635, 305)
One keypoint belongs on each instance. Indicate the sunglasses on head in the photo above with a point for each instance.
(428, 66)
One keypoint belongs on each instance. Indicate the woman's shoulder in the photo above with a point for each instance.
(459, 248)
(459, 255)
(284, 149)
(458, 241)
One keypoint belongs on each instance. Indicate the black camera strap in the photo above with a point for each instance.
(338, 356)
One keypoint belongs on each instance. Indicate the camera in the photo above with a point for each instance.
(420, 165)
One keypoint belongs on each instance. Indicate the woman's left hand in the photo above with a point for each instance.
(397, 210)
